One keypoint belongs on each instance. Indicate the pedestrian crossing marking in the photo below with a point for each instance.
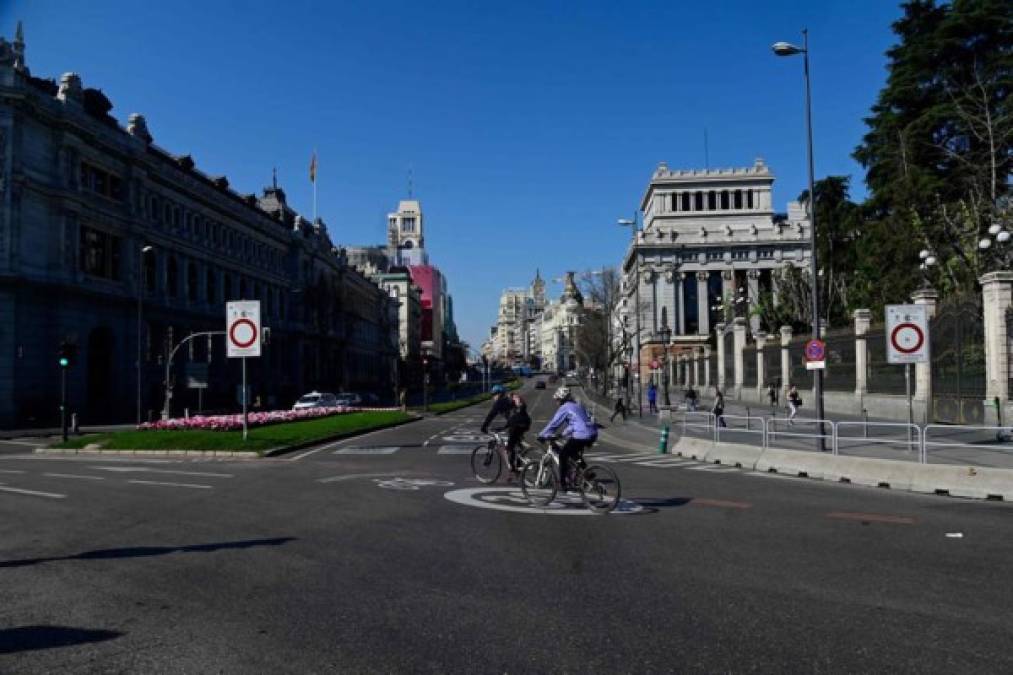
(711, 467)
(367, 451)
(455, 450)
(666, 463)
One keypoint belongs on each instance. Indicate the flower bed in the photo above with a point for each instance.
(254, 419)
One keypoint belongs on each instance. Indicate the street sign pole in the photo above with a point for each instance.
(910, 404)
(63, 402)
(245, 396)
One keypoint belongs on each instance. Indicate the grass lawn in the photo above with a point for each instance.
(260, 439)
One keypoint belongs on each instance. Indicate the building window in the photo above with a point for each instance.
(101, 182)
(698, 198)
(172, 277)
(100, 254)
(211, 290)
(749, 199)
(738, 199)
(685, 201)
(724, 200)
(191, 282)
(407, 224)
(712, 201)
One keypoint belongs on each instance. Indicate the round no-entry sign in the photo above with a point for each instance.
(243, 333)
(242, 328)
(907, 338)
(815, 350)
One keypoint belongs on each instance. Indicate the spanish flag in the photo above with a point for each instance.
(313, 167)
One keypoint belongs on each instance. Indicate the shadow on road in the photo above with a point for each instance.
(148, 551)
(31, 638)
(660, 502)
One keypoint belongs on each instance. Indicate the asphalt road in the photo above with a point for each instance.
(381, 554)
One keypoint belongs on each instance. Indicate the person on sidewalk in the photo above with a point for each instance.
(719, 407)
(794, 403)
(652, 398)
(772, 397)
(691, 399)
(620, 409)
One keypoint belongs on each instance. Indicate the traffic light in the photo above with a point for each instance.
(67, 354)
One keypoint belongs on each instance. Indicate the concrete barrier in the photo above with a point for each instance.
(797, 463)
(735, 454)
(891, 473)
(963, 481)
(694, 448)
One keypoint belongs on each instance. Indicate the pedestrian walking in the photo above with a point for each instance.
(652, 398)
(794, 403)
(772, 397)
(620, 409)
(691, 399)
(719, 408)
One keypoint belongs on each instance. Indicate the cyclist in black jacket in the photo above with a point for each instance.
(517, 424)
(501, 405)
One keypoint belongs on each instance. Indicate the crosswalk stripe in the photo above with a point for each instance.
(33, 493)
(711, 467)
(367, 451)
(455, 450)
(666, 463)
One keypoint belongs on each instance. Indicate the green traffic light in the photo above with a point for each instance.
(64, 362)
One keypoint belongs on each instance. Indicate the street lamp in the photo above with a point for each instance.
(665, 333)
(634, 229)
(929, 260)
(145, 249)
(788, 49)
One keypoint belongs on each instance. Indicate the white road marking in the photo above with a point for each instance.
(349, 476)
(455, 450)
(367, 451)
(23, 444)
(139, 469)
(336, 443)
(666, 463)
(72, 475)
(182, 485)
(11, 471)
(711, 467)
(625, 457)
(34, 493)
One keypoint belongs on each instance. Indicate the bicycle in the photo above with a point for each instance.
(598, 485)
(487, 459)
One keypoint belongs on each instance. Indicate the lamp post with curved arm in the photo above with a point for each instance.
(635, 229)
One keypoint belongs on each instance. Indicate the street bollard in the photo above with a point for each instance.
(663, 443)
(74, 428)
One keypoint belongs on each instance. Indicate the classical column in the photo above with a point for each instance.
(775, 288)
(923, 371)
(680, 302)
(863, 319)
(719, 331)
(761, 375)
(707, 366)
(785, 360)
(728, 292)
(739, 334)
(753, 284)
(997, 295)
(695, 356)
(702, 307)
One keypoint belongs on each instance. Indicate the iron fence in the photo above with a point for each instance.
(800, 376)
(729, 339)
(958, 362)
(749, 367)
(840, 371)
(882, 377)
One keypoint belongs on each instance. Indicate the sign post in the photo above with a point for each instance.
(907, 342)
(242, 339)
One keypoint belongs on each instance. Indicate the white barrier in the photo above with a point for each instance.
(749, 422)
(992, 442)
(772, 432)
(911, 436)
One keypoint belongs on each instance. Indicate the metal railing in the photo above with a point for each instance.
(698, 421)
(909, 438)
(741, 424)
(802, 428)
(994, 445)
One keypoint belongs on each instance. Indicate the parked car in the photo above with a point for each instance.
(540, 384)
(316, 399)
(349, 399)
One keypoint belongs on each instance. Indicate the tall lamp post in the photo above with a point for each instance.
(634, 229)
(145, 249)
(788, 49)
(665, 333)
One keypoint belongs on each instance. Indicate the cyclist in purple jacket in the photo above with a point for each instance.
(580, 431)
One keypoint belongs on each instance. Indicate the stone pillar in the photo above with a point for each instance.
(785, 360)
(696, 369)
(922, 403)
(775, 288)
(761, 375)
(707, 369)
(728, 292)
(739, 333)
(719, 331)
(702, 306)
(753, 285)
(863, 319)
(997, 296)
(680, 302)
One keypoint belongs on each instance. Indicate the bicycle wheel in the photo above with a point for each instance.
(539, 483)
(486, 463)
(600, 488)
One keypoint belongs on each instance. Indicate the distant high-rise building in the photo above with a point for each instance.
(405, 235)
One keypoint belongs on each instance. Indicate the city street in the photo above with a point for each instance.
(382, 553)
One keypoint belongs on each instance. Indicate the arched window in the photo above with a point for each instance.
(172, 277)
(698, 206)
(724, 200)
(738, 199)
(712, 201)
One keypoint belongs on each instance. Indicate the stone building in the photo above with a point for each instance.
(516, 339)
(559, 326)
(121, 248)
(710, 241)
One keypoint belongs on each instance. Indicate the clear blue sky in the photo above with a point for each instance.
(531, 126)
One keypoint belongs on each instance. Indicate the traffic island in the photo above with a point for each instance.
(272, 439)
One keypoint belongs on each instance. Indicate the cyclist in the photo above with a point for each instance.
(516, 425)
(581, 432)
(501, 405)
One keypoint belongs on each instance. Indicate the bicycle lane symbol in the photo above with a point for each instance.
(513, 500)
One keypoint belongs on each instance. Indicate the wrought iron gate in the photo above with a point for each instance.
(958, 362)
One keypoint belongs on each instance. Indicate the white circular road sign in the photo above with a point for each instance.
(907, 338)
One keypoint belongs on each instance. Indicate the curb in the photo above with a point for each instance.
(241, 454)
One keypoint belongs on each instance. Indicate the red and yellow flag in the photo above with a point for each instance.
(313, 167)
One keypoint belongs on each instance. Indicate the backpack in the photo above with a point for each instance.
(797, 401)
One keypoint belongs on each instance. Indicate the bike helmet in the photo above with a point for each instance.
(498, 389)
(562, 394)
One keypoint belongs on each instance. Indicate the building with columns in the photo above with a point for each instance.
(710, 241)
(519, 311)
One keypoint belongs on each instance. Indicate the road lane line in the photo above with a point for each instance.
(336, 443)
(182, 485)
(72, 475)
(23, 444)
(138, 469)
(455, 450)
(872, 518)
(701, 501)
(33, 493)
(11, 471)
(350, 476)
(711, 467)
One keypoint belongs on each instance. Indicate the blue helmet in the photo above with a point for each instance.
(498, 389)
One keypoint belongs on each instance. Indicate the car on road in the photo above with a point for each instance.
(316, 399)
(540, 384)
(349, 399)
